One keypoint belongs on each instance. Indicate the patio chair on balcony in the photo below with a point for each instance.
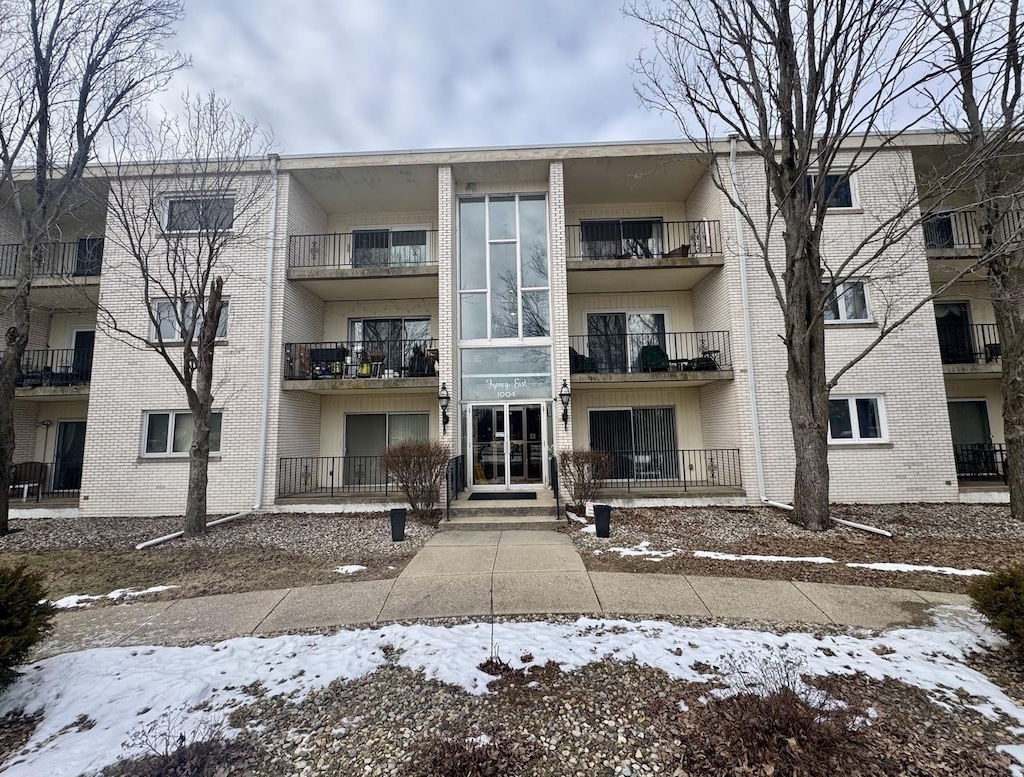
(580, 363)
(421, 364)
(653, 359)
(28, 475)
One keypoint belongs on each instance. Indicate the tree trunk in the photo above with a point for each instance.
(1006, 285)
(805, 378)
(201, 404)
(15, 341)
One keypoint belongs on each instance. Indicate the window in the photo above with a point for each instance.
(848, 301)
(503, 267)
(838, 193)
(194, 214)
(856, 419)
(621, 238)
(170, 433)
(389, 247)
(366, 435)
(616, 341)
(170, 314)
(394, 339)
(641, 441)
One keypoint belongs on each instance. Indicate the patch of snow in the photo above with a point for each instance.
(82, 600)
(644, 550)
(1017, 753)
(112, 685)
(589, 529)
(480, 740)
(573, 517)
(916, 568)
(351, 569)
(749, 557)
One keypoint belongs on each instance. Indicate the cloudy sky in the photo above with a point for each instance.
(362, 75)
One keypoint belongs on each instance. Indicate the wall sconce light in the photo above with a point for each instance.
(563, 396)
(443, 399)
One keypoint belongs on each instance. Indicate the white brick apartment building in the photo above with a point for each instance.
(496, 276)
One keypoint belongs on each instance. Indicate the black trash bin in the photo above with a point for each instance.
(603, 520)
(398, 524)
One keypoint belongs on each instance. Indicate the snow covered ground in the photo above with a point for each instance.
(122, 689)
(82, 600)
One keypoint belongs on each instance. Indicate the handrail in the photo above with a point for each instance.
(621, 352)
(371, 248)
(82, 258)
(361, 359)
(639, 468)
(642, 239)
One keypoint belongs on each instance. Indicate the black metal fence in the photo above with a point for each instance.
(366, 248)
(642, 239)
(361, 359)
(79, 259)
(984, 461)
(332, 475)
(649, 352)
(36, 480)
(959, 229)
(969, 343)
(553, 468)
(455, 482)
(683, 469)
(60, 367)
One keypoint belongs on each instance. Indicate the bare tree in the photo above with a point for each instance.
(68, 70)
(981, 40)
(810, 91)
(185, 196)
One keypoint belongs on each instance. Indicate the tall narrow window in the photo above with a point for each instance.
(504, 268)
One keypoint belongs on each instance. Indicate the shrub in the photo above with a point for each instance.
(25, 618)
(474, 756)
(1000, 598)
(777, 724)
(418, 467)
(582, 473)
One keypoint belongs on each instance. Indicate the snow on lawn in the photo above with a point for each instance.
(749, 557)
(916, 568)
(644, 549)
(350, 569)
(82, 600)
(122, 689)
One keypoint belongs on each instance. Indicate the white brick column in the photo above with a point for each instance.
(447, 320)
(559, 301)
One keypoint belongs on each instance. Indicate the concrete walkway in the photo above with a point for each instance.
(483, 573)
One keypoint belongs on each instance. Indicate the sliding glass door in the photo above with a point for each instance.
(641, 441)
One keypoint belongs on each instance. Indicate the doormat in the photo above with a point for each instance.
(495, 496)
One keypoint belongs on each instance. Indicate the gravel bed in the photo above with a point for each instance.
(609, 718)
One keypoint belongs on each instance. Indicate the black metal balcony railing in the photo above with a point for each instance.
(57, 260)
(685, 469)
(969, 343)
(40, 480)
(642, 239)
(984, 461)
(361, 359)
(455, 481)
(649, 352)
(959, 229)
(370, 248)
(332, 475)
(62, 367)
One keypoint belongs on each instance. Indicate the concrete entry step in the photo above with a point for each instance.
(541, 507)
(502, 521)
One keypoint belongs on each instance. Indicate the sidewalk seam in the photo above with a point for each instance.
(814, 604)
(270, 612)
(387, 596)
(146, 622)
(699, 599)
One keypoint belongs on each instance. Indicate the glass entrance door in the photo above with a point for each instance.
(507, 445)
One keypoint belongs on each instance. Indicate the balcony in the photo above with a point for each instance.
(607, 255)
(80, 260)
(389, 264)
(650, 358)
(333, 476)
(55, 373)
(981, 462)
(956, 233)
(41, 481)
(360, 366)
(970, 349)
(674, 470)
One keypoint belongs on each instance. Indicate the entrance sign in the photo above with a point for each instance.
(522, 372)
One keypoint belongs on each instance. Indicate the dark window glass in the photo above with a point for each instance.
(192, 215)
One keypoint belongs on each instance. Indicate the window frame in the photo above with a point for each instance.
(856, 439)
(171, 198)
(169, 452)
(177, 336)
(521, 338)
(835, 297)
(657, 236)
(851, 182)
(426, 229)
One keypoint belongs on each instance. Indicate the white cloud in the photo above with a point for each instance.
(392, 74)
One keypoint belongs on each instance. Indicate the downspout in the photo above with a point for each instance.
(749, 341)
(268, 319)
